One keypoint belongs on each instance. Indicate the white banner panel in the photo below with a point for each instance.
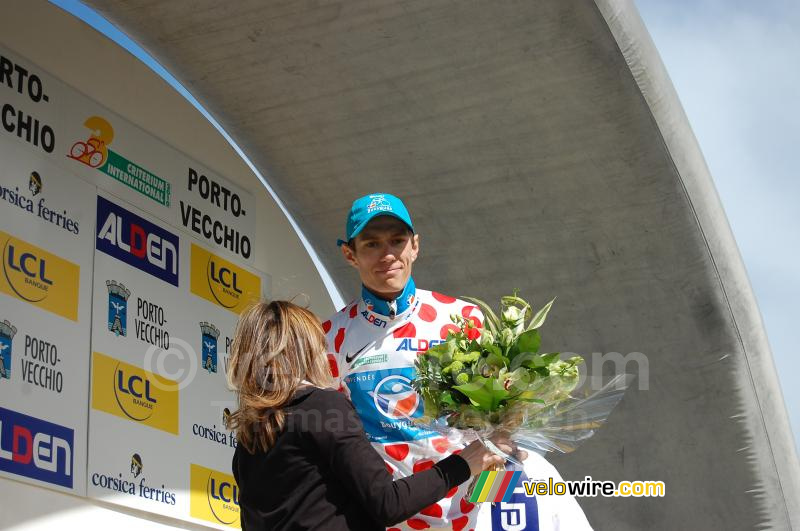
(163, 320)
(46, 226)
(98, 145)
(125, 260)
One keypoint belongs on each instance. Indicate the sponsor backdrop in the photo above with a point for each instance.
(125, 267)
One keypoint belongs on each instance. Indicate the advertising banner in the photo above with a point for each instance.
(125, 266)
(46, 226)
(165, 310)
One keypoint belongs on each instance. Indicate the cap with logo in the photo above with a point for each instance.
(372, 205)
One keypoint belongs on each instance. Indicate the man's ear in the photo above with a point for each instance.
(349, 255)
(414, 246)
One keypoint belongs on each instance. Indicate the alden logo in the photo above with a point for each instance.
(7, 333)
(131, 393)
(136, 241)
(39, 277)
(214, 496)
(221, 282)
(35, 448)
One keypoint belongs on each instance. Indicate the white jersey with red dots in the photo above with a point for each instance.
(372, 359)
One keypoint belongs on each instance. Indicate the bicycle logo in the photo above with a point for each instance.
(93, 152)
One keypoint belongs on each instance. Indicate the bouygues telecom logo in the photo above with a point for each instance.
(214, 496)
(135, 394)
(222, 282)
(40, 278)
(95, 153)
(136, 241)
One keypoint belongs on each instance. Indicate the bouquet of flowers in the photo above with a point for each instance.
(498, 380)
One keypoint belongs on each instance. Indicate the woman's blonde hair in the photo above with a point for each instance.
(276, 345)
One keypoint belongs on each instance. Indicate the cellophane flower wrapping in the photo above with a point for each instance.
(480, 381)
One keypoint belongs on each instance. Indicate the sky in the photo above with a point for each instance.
(736, 66)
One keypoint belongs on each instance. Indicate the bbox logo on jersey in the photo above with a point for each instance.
(396, 399)
(136, 241)
(35, 448)
(386, 403)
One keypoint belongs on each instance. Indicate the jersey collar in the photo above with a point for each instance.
(390, 309)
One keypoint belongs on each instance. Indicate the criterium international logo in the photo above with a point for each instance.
(214, 496)
(134, 394)
(7, 333)
(38, 277)
(221, 282)
(95, 153)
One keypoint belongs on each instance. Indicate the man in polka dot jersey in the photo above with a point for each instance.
(373, 343)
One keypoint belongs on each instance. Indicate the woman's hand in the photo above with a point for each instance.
(481, 458)
(502, 439)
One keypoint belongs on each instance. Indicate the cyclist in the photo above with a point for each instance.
(373, 342)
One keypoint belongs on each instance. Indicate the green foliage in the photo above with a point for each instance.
(481, 379)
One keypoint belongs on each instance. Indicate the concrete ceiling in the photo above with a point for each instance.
(539, 147)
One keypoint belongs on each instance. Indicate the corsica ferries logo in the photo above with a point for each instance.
(117, 307)
(136, 241)
(120, 483)
(134, 394)
(214, 496)
(36, 276)
(35, 183)
(136, 465)
(38, 207)
(94, 152)
(221, 282)
(7, 333)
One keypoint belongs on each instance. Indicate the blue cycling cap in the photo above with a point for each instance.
(367, 207)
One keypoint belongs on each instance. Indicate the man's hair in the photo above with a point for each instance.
(351, 242)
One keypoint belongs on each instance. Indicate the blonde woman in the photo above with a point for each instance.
(303, 460)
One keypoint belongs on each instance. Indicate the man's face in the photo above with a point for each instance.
(383, 253)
